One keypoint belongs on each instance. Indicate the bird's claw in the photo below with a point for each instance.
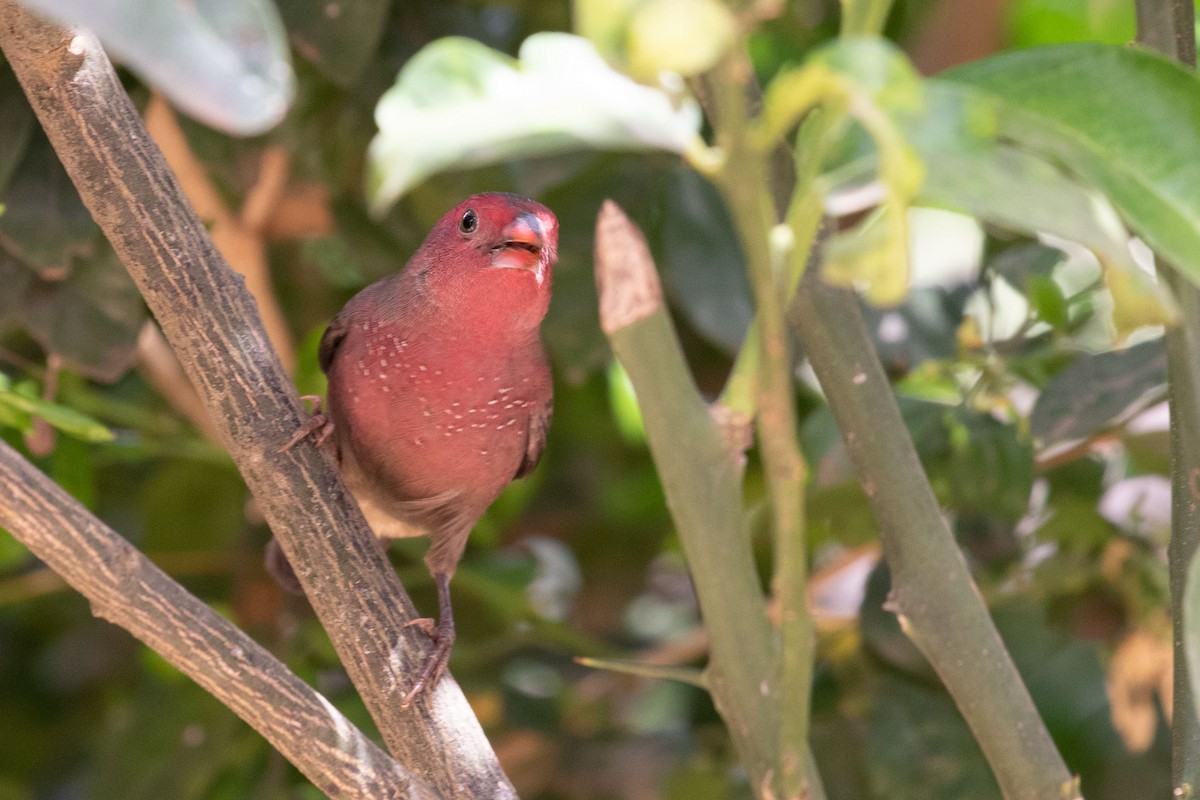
(437, 661)
(319, 423)
(426, 625)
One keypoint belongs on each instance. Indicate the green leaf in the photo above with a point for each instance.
(604, 23)
(339, 38)
(459, 104)
(92, 319)
(686, 37)
(45, 224)
(1100, 391)
(867, 79)
(24, 400)
(224, 62)
(16, 125)
(1047, 299)
(623, 401)
(1041, 22)
(700, 258)
(657, 671)
(1125, 119)
(15, 278)
(972, 167)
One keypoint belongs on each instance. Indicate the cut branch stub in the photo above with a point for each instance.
(702, 484)
(626, 280)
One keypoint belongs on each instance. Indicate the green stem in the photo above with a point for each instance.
(701, 479)
(932, 592)
(1169, 26)
(745, 186)
(864, 17)
(803, 220)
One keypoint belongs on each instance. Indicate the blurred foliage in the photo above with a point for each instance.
(1033, 427)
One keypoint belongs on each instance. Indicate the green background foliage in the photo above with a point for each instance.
(1041, 436)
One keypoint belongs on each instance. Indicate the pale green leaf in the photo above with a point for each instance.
(687, 37)
(224, 62)
(870, 80)
(459, 104)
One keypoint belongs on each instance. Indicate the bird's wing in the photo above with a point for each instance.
(330, 340)
(535, 441)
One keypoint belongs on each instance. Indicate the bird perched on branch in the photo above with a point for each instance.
(439, 389)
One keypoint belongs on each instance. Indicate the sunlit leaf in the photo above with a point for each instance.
(1041, 22)
(682, 36)
(458, 104)
(604, 22)
(972, 167)
(871, 81)
(1125, 119)
(225, 62)
(624, 405)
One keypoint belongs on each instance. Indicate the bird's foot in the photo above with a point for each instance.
(279, 568)
(319, 423)
(442, 635)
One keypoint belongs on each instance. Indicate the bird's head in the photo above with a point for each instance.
(492, 255)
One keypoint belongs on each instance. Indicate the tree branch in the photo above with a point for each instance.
(700, 470)
(213, 325)
(127, 590)
(937, 602)
(1169, 27)
(745, 186)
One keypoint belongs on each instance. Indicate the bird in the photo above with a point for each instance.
(439, 387)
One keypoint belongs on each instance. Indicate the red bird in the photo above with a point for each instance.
(439, 388)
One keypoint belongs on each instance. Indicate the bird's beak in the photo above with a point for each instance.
(523, 240)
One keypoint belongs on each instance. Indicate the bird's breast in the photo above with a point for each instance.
(428, 417)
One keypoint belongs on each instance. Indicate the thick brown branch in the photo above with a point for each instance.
(212, 323)
(126, 589)
(237, 236)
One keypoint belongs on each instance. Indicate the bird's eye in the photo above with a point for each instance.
(469, 222)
